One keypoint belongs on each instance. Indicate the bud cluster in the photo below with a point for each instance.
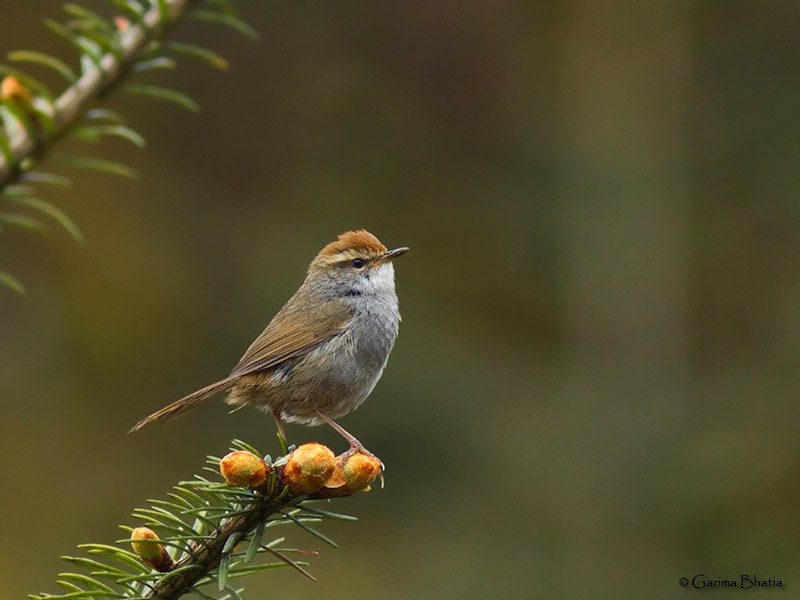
(313, 469)
(310, 469)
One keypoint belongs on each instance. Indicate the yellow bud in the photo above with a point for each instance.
(361, 470)
(308, 468)
(11, 90)
(244, 469)
(122, 24)
(153, 554)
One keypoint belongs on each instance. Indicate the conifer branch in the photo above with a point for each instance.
(204, 523)
(99, 75)
(209, 554)
(33, 119)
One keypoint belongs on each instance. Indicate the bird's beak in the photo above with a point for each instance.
(391, 255)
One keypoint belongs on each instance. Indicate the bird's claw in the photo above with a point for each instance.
(359, 449)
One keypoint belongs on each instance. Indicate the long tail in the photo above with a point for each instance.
(186, 402)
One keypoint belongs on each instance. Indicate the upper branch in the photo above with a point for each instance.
(106, 72)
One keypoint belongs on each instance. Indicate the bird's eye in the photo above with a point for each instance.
(358, 263)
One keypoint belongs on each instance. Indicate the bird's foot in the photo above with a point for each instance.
(358, 448)
(355, 445)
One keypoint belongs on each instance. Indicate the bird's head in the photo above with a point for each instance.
(358, 261)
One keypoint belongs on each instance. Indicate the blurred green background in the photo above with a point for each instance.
(595, 388)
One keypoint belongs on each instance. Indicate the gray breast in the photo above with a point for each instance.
(346, 369)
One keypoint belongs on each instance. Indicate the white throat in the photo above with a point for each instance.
(377, 282)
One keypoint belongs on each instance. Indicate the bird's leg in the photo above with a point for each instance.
(355, 445)
(281, 431)
(351, 439)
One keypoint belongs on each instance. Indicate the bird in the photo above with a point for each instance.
(322, 353)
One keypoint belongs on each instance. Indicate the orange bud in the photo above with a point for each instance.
(308, 468)
(11, 90)
(361, 470)
(122, 24)
(153, 554)
(244, 469)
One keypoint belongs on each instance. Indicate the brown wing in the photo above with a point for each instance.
(292, 333)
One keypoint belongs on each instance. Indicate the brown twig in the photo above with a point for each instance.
(208, 554)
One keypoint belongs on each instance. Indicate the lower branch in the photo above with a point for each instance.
(210, 531)
(209, 554)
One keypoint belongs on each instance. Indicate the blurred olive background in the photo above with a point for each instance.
(595, 388)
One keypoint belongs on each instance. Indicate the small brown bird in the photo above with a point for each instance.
(323, 353)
